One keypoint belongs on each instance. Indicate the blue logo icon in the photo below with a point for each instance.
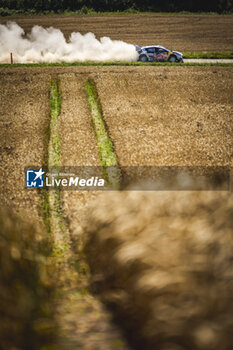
(35, 178)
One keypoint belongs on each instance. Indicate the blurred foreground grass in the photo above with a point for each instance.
(27, 285)
(164, 266)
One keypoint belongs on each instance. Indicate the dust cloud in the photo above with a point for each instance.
(50, 45)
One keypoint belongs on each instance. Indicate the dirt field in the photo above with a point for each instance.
(24, 118)
(154, 116)
(193, 33)
(167, 116)
(93, 328)
(78, 142)
(164, 265)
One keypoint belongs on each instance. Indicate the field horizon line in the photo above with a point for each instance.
(87, 64)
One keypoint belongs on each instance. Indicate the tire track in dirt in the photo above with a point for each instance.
(184, 134)
(84, 322)
(76, 202)
(27, 282)
(107, 155)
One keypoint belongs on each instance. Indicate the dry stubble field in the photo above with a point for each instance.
(155, 116)
(185, 33)
(24, 118)
(169, 116)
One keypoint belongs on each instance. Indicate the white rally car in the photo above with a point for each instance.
(158, 53)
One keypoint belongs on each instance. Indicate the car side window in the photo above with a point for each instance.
(150, 50)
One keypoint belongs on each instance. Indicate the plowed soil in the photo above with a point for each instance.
(24, 119)
(87, 322)
(24, 125)
(78, 142)
(167, 116)
(194, 33)
(154, 115)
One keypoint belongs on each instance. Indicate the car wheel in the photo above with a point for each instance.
(172, 58)
(143, 58)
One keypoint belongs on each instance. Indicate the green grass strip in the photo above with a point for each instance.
(103, 64)
(51, 159)
(55, 109)
(62, 256)
(58, 227)
(107, 155)
(209, 55)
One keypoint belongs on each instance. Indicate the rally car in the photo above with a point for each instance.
(158, 54)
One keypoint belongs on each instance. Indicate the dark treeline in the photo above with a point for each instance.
(88, 6)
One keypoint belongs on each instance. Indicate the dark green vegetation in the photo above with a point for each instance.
(10, 7)
(26, 286)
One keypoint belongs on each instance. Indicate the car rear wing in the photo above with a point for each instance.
(138, 48)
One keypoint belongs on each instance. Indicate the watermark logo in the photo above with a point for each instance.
(54, 178)
(95, 178)
(35, 178)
